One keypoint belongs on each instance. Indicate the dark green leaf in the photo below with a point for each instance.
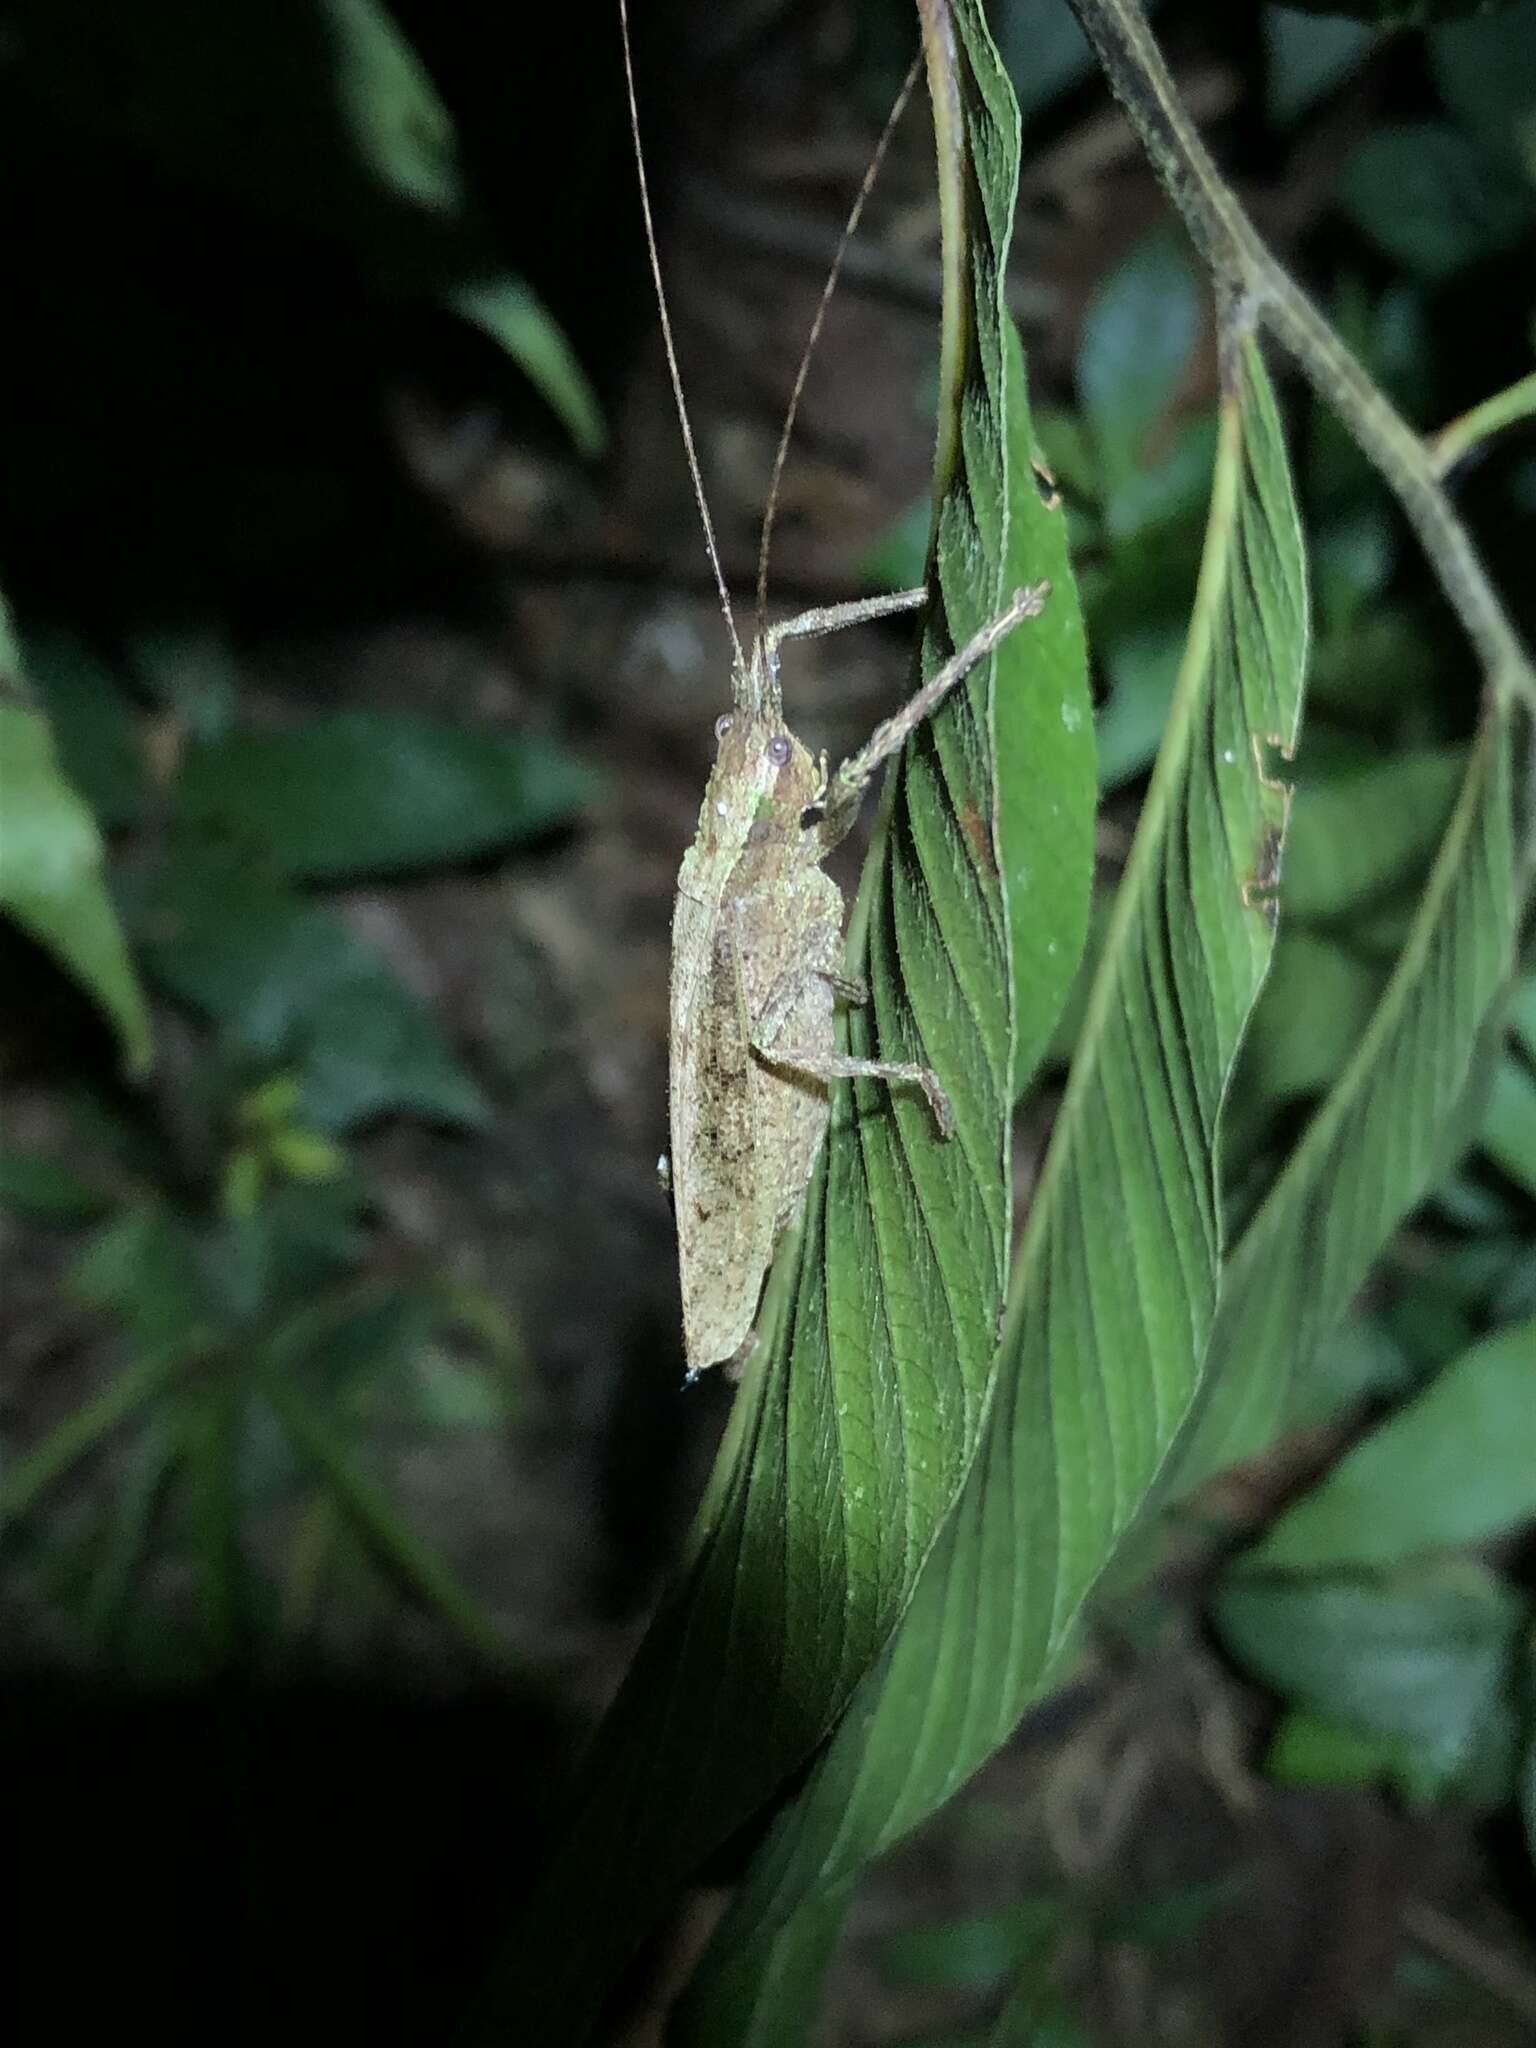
(1043, 51)
(1433, 198)
(1455, 1466)
(971, 1954)
(1138, 335)
(373, 792)
(1309, 1749)
(194, 672)
(1403, 13)
(1037, 2015)
(1166, 1919)
(1114, 1286)
(1141, 669)
(94, 725)
(51, 879)
(1522, 1015)
(1486, 71)
(1357, 835)
(1508, 1134)
(127, 1390)
(290, 987)
(144, 1269)
(1317, 1004)
(34, 1185)
(1423, 1661)
(1307, 58)
(860, 1409)
(1377, 1144)
(388, 1536)
(1360, 1359)
(504, 308)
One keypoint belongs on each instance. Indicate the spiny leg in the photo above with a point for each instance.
(829, 1066)
(827, 618)
(847, 786)
(832, 618)
(836, 1066)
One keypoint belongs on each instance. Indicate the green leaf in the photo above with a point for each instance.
(861, 1406)
(289, 986)
(1307, 58)
(1043, 50)
(127, 1390)
(971, 1953)
(1403, 13)
(504, 308)
(1139, 333)
(1433, 198)
(52, 879)
(1455, 1466)
(1037, 2015)
(1114, 1286)
(1522, 1015)
(1044, 752)
(1528, 1798)
(1508, 1133)
(1357, 834)
(1423, 1660)
(144, 1270)
(34, 1185)
(1318, 1001)
(377, 793)
(1142, 668)
(396, 121)
(416, 1564)
(1376, 1145)
(1486, 72)
(1309, 1749)
(93, 722)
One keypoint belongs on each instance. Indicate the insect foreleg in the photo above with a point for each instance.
(832, 618)
(849, 783)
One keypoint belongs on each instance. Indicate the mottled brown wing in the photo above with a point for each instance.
(724, 1205)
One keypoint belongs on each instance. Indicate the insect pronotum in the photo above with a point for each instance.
(757, 929)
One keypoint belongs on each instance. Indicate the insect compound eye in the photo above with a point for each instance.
(723, 725)
(779, 749)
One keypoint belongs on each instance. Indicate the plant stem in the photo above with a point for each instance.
(418, 1563)
(1503, 409)
(1226, 238)
(79, 1433)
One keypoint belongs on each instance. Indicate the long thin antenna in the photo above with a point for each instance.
(850, 229)
(666, 333)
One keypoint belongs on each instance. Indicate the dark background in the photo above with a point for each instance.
(236, 406)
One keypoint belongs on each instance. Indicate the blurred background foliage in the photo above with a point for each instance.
(333, 631)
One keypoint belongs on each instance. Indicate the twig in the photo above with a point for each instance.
(1244, 267)
(1452, 1943)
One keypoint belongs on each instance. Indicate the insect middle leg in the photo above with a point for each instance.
(820, 1063)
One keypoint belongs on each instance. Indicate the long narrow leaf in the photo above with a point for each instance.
(1375, 1146)
(862, 1406)
(1114, 1294)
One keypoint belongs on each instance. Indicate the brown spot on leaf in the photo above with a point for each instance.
(1045, 484)
(978, 830)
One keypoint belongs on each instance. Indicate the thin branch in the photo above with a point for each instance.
(1504, 409)
(1227, 240)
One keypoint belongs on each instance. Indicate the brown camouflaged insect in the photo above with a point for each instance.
(758, 926)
